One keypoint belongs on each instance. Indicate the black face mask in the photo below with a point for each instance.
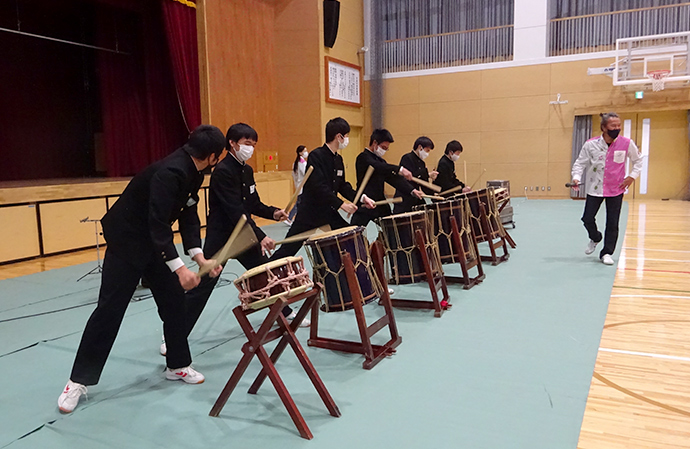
(613, 133)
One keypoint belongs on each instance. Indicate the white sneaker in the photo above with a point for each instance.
(187, 374)
(164, 348)
(591, 246)
(69, 398)
(607, 259)
(287, 222)
(305, 322)
(391, 291)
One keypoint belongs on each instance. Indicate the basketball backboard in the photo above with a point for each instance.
(659, 61)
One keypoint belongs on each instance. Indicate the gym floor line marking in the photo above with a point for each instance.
(652, 289)
(646, 354)
(656, 260)
(653, 271)
(650, 296)
(640, 397)
(664, 250)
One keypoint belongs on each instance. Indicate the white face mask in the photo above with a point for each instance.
(245, 152)
(305, 154)
(455, 157)
(380, 152)
(346, 141)
(423, 154)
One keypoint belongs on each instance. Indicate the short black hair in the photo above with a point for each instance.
(606, 117)
(204, 141)
(336, 126)
(453, 146)
(381, 135)
(240, 131)
(424, 141)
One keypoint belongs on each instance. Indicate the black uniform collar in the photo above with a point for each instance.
(236, 161)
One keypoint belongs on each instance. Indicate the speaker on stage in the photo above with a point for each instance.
(331, 17)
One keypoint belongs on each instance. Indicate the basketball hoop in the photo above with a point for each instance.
(658, 78)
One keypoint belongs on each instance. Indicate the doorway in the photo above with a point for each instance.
(662, 137)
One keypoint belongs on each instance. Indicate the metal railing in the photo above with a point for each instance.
(448, 49)
(598, 32)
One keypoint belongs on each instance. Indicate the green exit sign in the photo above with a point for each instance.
(639, 94)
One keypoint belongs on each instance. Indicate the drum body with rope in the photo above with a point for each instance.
(444, 211)
(263, 285)
(484, 230)
(397, 232)
(325, 250)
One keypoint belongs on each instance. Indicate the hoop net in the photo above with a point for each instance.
(658, 78)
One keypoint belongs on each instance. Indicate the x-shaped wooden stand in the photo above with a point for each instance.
(435, 279)
(459, 248)
(373, 354)
(255, 346)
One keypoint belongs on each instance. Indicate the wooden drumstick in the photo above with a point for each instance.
(222, 256)
(427, 184)
(304, 235)
(433, 197)
(365, 180)
(360, 191)
(293, 200)
(452, 190)
(478, 178)
(395, 200)
(464, 164)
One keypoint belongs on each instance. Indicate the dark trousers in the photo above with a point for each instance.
(196, 299)
(613, 213)
(119, 280)
(293, 212)
(305, 221)
(363, 215)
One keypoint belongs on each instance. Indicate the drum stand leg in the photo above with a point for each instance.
(508, 238)
(373, 354)
(460, 252)
(435, 279)
(493, 245)
(255, 346)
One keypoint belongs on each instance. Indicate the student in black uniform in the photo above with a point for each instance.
(233, 193)
(395, 175)
(138, 231)
(414, 162)
(446, 178)
(320, 202)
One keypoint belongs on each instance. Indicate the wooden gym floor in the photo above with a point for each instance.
(640, 392)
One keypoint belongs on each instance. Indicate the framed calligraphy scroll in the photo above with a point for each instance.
(343, 82)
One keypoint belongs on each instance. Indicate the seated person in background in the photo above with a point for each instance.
(446, 178)
(320, 203)
(414, 162)
(395, 175)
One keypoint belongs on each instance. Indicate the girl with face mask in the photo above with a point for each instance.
(299, 168)
(414, 162)
(446, 178)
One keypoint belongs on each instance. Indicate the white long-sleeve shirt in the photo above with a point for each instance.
(605, 165)
(298, 176)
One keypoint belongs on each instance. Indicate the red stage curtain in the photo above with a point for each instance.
(180, 27)
(141, 117)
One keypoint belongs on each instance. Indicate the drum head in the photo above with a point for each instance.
(406, 214)
(330, 234)
(267, 266)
